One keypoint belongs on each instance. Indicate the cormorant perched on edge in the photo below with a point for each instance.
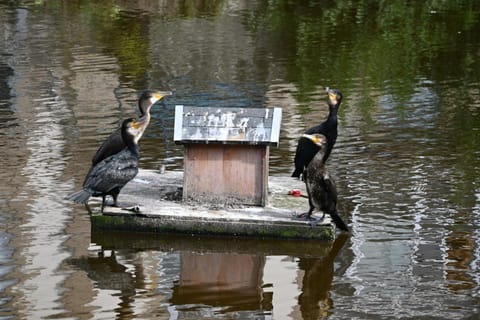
(114, 143)
(321, 189)
(306, 150)
(111, 174)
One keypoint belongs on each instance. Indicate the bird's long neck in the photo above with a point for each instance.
(144, 107)
(316, 164)
(131, 143)
(145, 118)
(332, 114)
(318, 159)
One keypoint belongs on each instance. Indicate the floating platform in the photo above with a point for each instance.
(152, 202)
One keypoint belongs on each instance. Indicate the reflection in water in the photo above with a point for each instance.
(109, 275)
(205, 276)
(406, 161)
(460, 256)
(220, 280)
(47, 213)
(315, 301)
(37, 213)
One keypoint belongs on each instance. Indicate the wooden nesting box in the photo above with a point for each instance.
(226, 152)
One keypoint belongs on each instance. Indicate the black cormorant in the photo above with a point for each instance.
(114, 143)
(321, 189)
(306, 150)
(111, 174)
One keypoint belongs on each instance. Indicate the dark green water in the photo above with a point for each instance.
(407, 160)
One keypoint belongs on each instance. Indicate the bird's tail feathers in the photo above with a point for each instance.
(338, 221)
(81, 196)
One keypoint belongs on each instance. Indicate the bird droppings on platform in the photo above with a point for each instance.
(157, 198)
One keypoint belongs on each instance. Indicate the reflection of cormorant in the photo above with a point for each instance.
(106, 272)
(107, 275)
(314, 301)
(114, 143)
(321, 189)
(305, 149)
(111, 174)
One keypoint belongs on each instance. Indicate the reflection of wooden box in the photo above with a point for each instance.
(220, 279)
(226, 152)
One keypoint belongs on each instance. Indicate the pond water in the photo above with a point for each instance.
(407, 160)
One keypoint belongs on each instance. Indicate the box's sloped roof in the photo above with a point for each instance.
(255, 126)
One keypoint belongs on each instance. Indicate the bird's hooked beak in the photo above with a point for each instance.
(318, 139)
(158, 95)
(332, 96)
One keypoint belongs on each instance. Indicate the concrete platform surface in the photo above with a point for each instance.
(155, 200)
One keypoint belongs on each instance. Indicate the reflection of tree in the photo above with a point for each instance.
(197, 8)
(314, 301)
(124, 27)
(393, 40)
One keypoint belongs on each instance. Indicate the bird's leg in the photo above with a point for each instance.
(323, 216)
(307, 214)
(115, 203)
(88, 208)
(103, 203)
(304, 175)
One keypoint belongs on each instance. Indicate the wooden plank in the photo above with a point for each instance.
(241, 170)
(226, 173)
(178, 124)
(276, 123)
(264, 175)
(201, 171)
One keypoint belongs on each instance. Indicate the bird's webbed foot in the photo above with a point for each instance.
(305, 215)
(135, 209)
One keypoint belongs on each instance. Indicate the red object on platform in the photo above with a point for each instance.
(295, 193)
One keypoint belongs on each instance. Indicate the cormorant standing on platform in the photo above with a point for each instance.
(111, 174)
(114, 143)
(306, 150)
(321, 189)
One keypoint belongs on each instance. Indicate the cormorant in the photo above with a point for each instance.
(321, 189)
(114, 143)
(306, 150)
(111, 174)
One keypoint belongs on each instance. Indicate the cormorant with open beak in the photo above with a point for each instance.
(306, 150)
(321, 188)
